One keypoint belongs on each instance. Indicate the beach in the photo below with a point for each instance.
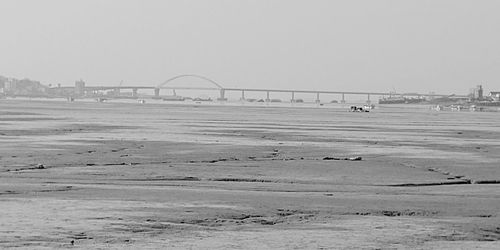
(88, 175)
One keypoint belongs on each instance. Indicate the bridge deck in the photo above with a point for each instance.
(336, 92)
(270, 90)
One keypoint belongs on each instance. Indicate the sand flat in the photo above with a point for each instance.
(131, 176)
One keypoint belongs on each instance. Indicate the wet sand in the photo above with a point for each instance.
(130, 176)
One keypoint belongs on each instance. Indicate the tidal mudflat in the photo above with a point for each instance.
(152, 176)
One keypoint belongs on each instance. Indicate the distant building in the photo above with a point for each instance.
(477, 93)
(24, 87)
(495, 95)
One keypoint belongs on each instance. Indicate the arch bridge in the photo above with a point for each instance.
(214, 85)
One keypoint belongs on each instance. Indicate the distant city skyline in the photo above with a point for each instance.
(440, 46)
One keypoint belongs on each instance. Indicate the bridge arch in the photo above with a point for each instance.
(190, 76)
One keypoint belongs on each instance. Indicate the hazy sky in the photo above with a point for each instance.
(378, 45)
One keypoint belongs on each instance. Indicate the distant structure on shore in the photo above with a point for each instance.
(477, 97)
(495, 95)
(11, 87)
(23, 87)
(476, 94)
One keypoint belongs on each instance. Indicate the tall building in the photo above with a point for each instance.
(477, 93)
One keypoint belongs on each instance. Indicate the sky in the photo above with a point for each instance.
(442, 46)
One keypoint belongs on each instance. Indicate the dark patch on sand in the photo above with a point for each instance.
(395, 213)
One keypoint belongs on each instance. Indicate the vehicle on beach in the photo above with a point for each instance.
(358, 109)
(456, 107)
(369, 107)
(475, 108)
(437, 108)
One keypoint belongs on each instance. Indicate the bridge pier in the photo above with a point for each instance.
(80, 88)
(293, 97)
(222, 96)
(368, 101)
(343, 98)
(267, 97)
(243, 95)
(157, 93)
(317, 98)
